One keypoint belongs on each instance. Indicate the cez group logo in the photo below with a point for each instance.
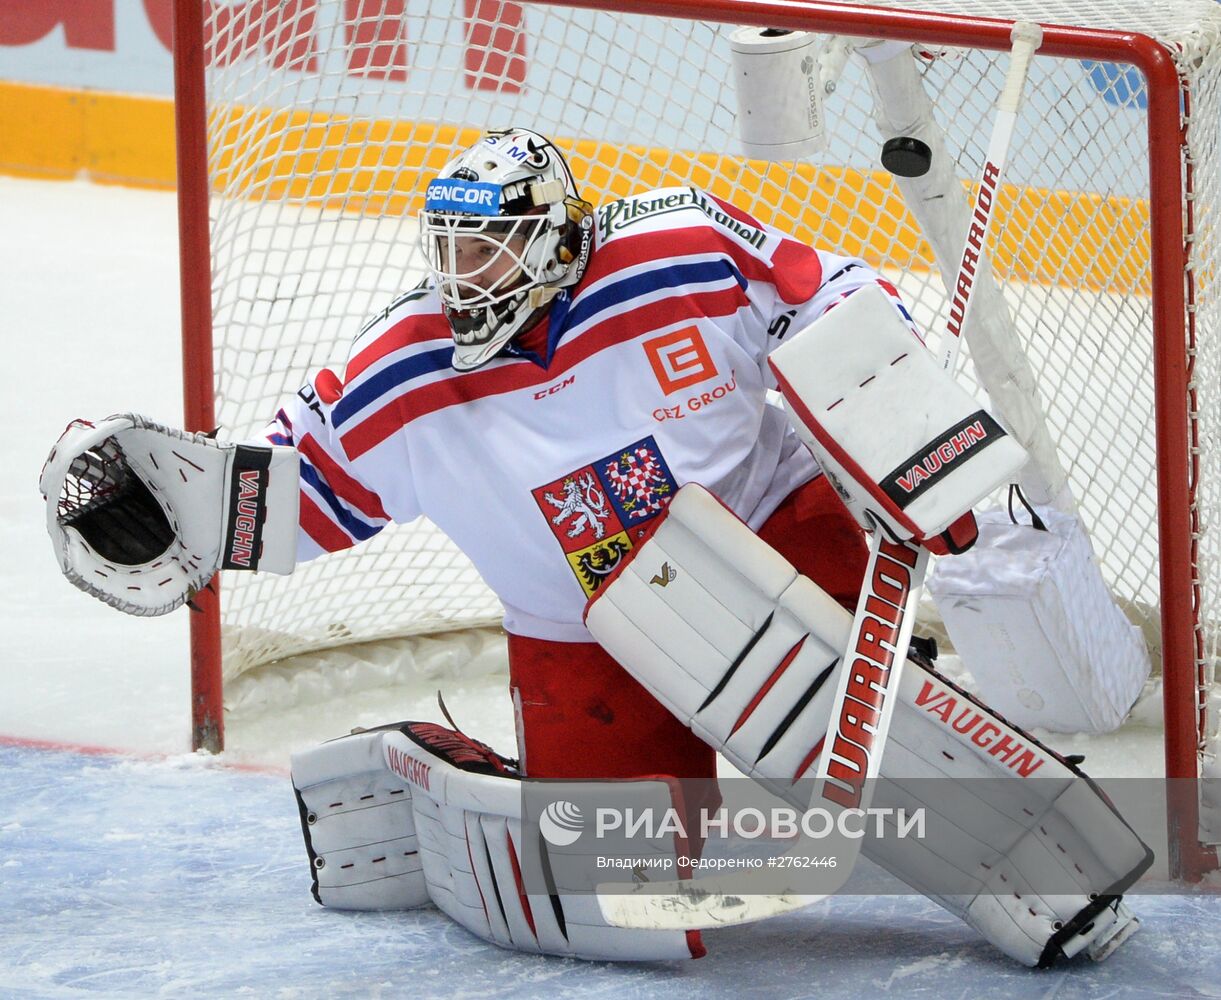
(679, 359)
(561, 823)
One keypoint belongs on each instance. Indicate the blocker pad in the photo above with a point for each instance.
(906, 446)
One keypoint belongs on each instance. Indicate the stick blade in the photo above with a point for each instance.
(690, 908)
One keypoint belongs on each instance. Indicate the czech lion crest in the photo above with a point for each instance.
(595, 512)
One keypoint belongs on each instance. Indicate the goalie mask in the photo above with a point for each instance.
(503, 230)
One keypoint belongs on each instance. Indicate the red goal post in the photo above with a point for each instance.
(1170, 267)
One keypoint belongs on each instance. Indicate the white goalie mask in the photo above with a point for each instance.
(503, 230)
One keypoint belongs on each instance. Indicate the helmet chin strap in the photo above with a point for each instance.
(540, 295)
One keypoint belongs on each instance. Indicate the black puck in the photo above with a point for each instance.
(906, 156)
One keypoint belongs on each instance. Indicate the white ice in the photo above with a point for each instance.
(143, 870)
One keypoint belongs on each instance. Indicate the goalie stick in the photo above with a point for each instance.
(731, 899)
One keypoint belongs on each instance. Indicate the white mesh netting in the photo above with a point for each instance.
(328, 116)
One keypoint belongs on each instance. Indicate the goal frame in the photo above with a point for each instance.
(1174, 333)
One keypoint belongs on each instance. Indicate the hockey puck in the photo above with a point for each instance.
(906, 156)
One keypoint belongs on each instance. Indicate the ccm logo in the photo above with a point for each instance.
(679, 359)
(551, 390)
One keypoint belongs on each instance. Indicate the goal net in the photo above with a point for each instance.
(327, 118)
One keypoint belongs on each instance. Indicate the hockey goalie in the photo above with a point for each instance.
(582, 400)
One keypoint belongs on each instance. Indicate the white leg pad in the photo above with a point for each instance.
(745, 651)
(473, 844)
(390, 824)
(359, 830)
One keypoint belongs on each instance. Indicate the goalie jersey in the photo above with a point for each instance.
(548, 464)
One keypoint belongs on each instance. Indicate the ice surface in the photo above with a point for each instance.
(155, 872)
(181, 877)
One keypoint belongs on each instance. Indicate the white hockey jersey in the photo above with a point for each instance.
(546, 470)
